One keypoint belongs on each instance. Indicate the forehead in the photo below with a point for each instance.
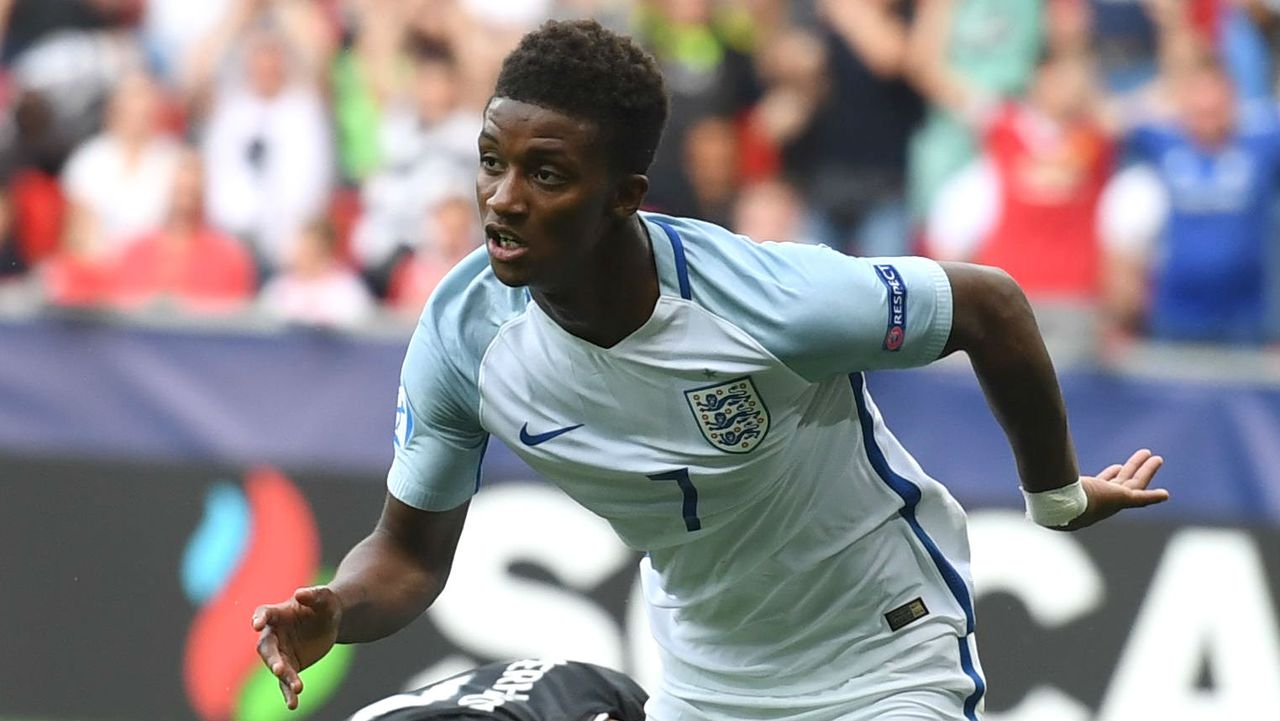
(513, 121)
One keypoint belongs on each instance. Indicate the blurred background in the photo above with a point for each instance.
(219, 221)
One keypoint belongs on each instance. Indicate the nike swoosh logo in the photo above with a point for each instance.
(540, 438)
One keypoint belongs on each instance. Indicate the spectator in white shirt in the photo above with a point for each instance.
(268, 151)
(317, 288)
(117, 182)
(428, 147)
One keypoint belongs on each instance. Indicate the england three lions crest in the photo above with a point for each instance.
(731, 415)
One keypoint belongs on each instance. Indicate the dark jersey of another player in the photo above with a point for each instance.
(527, 690)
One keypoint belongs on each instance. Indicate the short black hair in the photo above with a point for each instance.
(582, 69)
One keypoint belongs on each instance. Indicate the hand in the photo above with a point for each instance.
(1120, 487)
(296, 634)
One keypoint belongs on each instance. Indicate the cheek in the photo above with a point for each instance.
(575, 216)
(484, 189)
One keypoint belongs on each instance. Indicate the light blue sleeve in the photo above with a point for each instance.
(821, 312)
(439, 443)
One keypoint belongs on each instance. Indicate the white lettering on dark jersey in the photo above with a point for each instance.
(518, 678)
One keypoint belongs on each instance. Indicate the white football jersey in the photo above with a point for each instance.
(793, 548)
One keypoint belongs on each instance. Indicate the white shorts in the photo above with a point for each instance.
(937, 679)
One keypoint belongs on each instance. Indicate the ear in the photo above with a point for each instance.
(629, 196)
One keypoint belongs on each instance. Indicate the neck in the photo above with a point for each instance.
(1212, 142)
(183, 226)
(613, 291)
(132, 147)
(178, 235)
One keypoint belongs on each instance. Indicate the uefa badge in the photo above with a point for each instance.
(404, 420)
(731, 415)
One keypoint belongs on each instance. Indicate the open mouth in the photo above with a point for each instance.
(503, 244)
(507, 241)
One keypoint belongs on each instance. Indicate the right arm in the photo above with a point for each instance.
(385, 582)
(392, 576)
(395, 573)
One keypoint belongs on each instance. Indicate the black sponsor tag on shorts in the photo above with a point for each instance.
(909, 612)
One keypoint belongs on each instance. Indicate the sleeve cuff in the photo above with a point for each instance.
(940, 330)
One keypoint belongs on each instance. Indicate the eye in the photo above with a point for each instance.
(490, 163)
(547, 176)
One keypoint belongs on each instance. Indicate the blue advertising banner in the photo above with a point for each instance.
(312, 401)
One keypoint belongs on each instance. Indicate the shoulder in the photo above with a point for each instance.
(1005, 118)
(718, 257)
(726, 266)
(140, 248)
(96, 150)
(467, 308)
(817, 310)
(83, 174)
(223, 251)
(1259, 117)
(215, 241)
(1260, 124)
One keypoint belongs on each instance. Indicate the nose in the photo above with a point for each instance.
(505, 198)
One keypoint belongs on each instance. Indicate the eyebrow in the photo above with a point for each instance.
(546, 150)
(537, 146)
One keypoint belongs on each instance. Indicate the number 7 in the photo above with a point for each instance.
(690, 508)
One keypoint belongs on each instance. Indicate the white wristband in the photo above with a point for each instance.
(1056, 508)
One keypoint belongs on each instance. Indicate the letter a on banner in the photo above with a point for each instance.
(1208, 603)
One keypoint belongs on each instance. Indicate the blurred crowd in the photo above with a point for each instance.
(314, 160)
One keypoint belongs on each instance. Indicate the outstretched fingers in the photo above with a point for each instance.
(290, 696)
(281, 666)
(1110, 472)
(1139, 498)
(1132, 465)
(1141, 478)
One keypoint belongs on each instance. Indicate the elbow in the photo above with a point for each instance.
(915, 69)
(1007, 300)
(991, 311)
(890, 64)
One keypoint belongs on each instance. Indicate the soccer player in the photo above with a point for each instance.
(525, 690)
(705, 394)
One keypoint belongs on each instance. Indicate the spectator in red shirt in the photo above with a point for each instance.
(1051, 160)
(452, 233)
(185, 262)
(1030, 206)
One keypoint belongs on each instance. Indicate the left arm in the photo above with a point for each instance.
(994, 324)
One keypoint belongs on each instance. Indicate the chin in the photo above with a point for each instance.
(509, 276)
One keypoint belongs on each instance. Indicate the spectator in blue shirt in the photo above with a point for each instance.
(1218, 164)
